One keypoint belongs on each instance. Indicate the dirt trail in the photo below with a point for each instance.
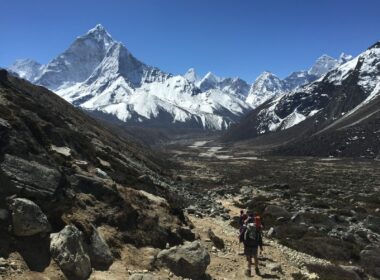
(229, 264)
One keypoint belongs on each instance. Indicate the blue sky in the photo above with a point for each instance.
(228, 37)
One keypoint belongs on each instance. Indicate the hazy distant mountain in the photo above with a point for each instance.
(26, 68)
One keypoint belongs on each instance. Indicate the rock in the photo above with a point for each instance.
(274, 267)
(217, 241)
(4, 125)
(101, 173)
(235, 222)
(185, 233)
(225, 217)
(3, 262)
(347, 236)
(142, 276)
(27, 218)
(276, 211)
(373, 223)
(297, 218)
(370, 260)
(99, 252)
(145, 179)
(64, 151)
(281, 186)
(356, 272)
(282, 219)
(67, 249)
(4, 214)
(189, 260)
(271, 232)
(191, 210)
(34, 179)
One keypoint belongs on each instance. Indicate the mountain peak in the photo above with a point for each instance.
(97, 28)
(99, 33)
(265, 75)
(322, 65)
(26, 68)
(211, 76)
(191, 75)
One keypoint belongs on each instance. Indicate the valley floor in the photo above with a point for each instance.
(333, 196)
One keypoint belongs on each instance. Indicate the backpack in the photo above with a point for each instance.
(250, 235)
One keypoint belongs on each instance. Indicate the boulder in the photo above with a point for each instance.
(33, 179)
(185, 233)
(189, 260)
(370, 260)
(67, 249)
(27, 218)
(143, 276)
(276, 211)
(99, 252)
(217, 241)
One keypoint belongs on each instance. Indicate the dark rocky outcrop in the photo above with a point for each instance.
(30, 178)
(27, 218)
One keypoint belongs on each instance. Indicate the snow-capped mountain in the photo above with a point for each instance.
(268, 85)
(78, 62)
(265, 87)
(298, 78)
(233, 86)
(323, 64)
(99, 74)
(191, 75)
(334, 99)
(26, 68)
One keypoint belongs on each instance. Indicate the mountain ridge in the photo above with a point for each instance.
(98, 73)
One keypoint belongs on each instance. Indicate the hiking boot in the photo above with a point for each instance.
(257, 271)
(248, 273)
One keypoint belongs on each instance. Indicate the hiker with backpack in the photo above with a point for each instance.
(252, 240)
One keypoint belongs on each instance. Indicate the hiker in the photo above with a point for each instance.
(252, 240)
(242, 218)
(259, 227)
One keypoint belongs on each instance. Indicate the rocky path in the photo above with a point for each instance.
(275, 262)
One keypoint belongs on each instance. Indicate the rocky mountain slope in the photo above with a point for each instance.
(346, 95)
(92, 190)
